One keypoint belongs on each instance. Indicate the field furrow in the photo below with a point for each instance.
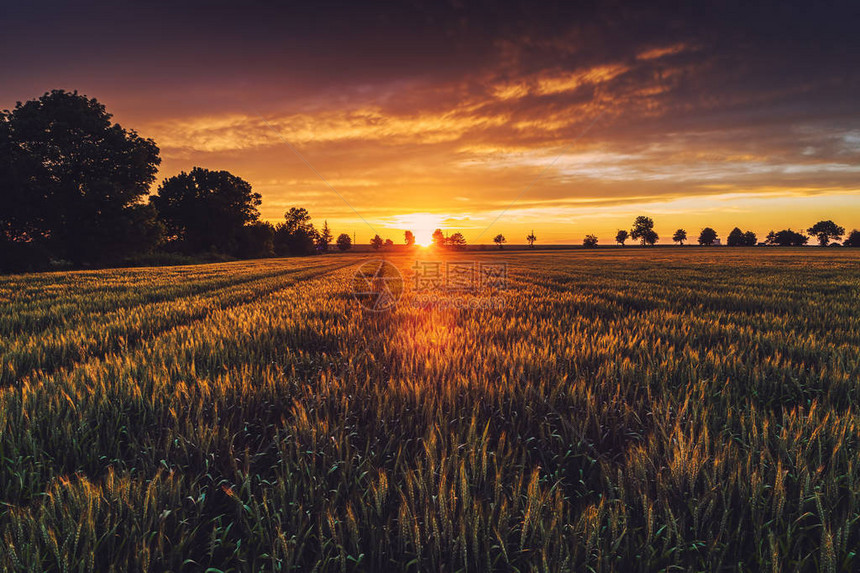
(48, 351)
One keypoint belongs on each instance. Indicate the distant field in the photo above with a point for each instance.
(625, 409)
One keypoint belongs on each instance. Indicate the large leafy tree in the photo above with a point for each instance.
(296, 235)
(643, 230)
(680, 236)
(736, 238)
(296, 219)
(621, 236)
(787, 238)
(206, 210)
(344, 242)
(71, 180)
(707, 237)
(825, 231)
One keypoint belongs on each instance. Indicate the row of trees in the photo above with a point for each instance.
(440, 239)
(454, 241)
(74, 187)
(643, 230)
(824, 231)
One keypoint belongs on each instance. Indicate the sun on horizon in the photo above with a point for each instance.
(422, 225)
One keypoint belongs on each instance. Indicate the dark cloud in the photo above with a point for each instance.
(350, 44)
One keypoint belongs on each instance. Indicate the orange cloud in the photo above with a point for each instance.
(238, 132)
(661, 52)
(557, 82)
(566, 82)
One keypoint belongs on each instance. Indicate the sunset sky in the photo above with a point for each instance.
(566, 120)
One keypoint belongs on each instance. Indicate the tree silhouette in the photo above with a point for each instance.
(296, 235)
(621, 236)
(438, 238)
(297, 218)
(736, 238)
(707, 237)
(324, 238)
(389, 243)
(457, 241)
(256, 241)
(590, 241)
(853, 239)
(643, 229)
(376, 242)
(71, 181)
(344, 242)
(206, 210)
(824, 231)
(787, 238)
(530, 238)
(499, 240)
(680, 236)
(409, 237)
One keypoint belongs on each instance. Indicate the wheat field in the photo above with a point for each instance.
(621, 410)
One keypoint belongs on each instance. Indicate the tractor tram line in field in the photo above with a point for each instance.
(77, 306)
(46, 352)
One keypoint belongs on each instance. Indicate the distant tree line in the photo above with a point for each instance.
(455, 241)
(826, 232)
(643, 230)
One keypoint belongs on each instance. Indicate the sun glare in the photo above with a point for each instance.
(422, 226)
